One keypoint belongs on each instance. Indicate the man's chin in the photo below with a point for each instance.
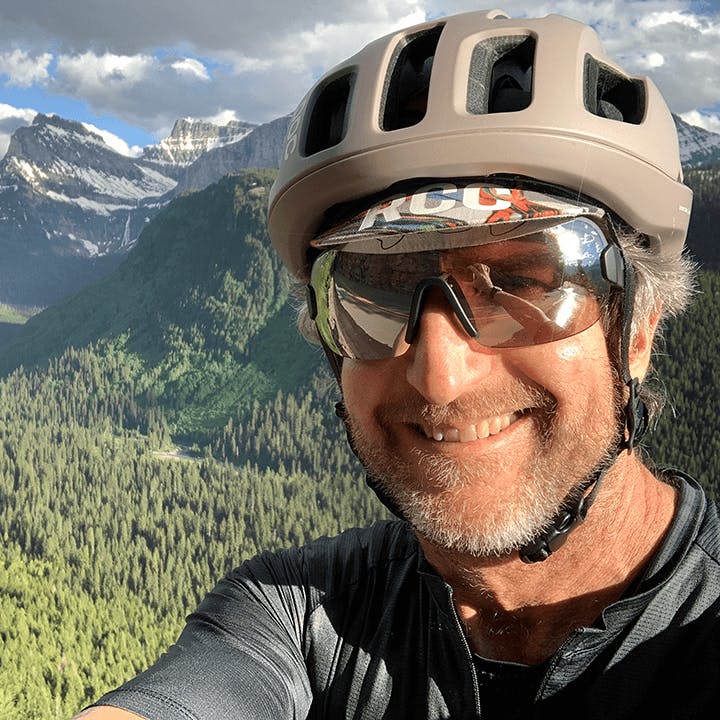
(451, 518)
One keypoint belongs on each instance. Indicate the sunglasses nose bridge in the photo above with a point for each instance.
(454, 296)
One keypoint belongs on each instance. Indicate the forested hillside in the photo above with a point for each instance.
(111, 532)
(168, 422)
(705, 218)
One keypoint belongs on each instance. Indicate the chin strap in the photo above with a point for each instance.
(371, 482)
(568, 519)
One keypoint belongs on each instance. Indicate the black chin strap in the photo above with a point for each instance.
(554, 537)
(371, 482)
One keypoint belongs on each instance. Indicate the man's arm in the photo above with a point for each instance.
(106, 713)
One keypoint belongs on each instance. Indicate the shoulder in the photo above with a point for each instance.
(689, 559)
(699, 514)
(340, 560)
(291, 582)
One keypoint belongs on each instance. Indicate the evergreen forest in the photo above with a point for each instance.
(164, 424)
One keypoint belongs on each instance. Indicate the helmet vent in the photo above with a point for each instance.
(408, 81)
(501, 74)
(610, 94)
(328, 119)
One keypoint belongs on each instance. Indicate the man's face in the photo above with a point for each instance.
(477, 446)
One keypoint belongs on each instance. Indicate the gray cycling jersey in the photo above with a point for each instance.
(360, 626)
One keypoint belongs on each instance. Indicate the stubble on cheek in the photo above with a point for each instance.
(448, 499)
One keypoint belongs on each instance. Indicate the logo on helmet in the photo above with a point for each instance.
(496, 204)
(293, 131)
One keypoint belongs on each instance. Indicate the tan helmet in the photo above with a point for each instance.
(475, 95)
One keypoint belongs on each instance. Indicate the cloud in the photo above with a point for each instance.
(22, 69)
(222, 118)
(150, 63)
(91, 75)
(651, 61)
(708, 121)
(11, 118)
(192, 67)
(114, 142)
(144, 90)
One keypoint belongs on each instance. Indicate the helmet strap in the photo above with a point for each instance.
(636, 411)
(372, 483)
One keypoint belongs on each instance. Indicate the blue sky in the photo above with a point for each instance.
(133, 68)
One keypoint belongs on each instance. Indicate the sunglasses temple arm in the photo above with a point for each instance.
(453, 295)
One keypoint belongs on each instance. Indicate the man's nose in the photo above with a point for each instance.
(443, 361)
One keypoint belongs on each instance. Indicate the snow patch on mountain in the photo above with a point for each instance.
(697, 145)
(192, 138)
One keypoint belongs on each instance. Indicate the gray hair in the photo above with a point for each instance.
(664, 285)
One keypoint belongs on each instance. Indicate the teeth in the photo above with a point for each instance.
(468, 433)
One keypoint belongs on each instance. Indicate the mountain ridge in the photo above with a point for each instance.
(71, 206)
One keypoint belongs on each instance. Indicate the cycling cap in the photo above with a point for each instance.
(471, 96)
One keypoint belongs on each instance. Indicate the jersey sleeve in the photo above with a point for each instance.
(240, 654)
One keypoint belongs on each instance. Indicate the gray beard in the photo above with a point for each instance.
(432, 491)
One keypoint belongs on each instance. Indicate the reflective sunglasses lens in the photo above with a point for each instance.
(526, 291)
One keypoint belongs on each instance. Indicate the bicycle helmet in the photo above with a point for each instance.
(474, 95)
(480, 96)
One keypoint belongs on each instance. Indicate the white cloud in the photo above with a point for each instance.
(11, 118)
(191, 67)
(651, 61)
(24, 70)
(90, 73)
(221, 118)
(114, 142)
(665, 17)
(708, 121)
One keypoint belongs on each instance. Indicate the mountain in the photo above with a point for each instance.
(71, 206)
(697, 145)
(191, 138)
(260, 149)
(68, 205)
(201, 303)
(705, 218)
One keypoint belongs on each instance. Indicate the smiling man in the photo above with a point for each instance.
(489, 218)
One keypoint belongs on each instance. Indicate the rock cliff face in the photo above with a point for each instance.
(261, 148)
(71, 207)
(190, 138)
(697, 145)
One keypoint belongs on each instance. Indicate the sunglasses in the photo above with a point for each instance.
(529, 290)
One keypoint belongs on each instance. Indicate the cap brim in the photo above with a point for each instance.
(447, 214)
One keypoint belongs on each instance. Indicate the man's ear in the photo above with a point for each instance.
(641, 345)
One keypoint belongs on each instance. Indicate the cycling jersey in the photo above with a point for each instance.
(360, 626)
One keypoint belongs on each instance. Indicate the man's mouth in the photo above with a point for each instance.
(470, 432)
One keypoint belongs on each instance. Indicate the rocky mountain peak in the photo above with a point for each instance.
(192, 138)
(697, 145)
(63, 160)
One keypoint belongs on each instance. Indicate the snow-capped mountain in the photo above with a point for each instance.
(71, 206)
(190, 138)
(697, 145)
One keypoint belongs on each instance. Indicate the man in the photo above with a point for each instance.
(489, 218)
